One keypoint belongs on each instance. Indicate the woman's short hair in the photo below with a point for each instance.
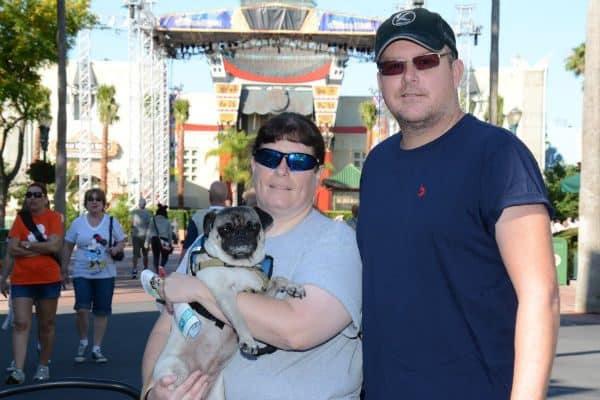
(293, 127)
(94, 192)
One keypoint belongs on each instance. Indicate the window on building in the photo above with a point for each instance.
(358, 159)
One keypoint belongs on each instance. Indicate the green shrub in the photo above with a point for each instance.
(346, 214)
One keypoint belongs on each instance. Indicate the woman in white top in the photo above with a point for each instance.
(94, 269)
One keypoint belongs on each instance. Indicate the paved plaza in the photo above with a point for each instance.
(576, 374)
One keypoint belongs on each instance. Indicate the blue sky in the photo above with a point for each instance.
(532, 29)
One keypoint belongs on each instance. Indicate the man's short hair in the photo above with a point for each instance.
(217, 193)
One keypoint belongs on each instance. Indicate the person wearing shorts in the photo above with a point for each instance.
(94, 270)
(35, 278)
(140, 222)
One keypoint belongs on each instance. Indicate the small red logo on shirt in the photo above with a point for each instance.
(422, 191)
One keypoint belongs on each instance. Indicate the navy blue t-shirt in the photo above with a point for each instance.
(438, 306)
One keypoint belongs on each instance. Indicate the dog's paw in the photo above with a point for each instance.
(295, 291)
(248, 346)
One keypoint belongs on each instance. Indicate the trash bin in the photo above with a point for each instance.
(561, 250)
(575, 263)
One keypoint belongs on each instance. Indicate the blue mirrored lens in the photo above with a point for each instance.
(296, 161)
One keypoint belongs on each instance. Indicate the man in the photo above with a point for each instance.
(140, 221)
(217, 198)
(460, 299)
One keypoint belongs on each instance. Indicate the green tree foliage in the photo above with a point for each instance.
(108, 114)
(368, 116)
(576, 61)
(181, 109)
(565, 204)
(28, 31)
(235, 145)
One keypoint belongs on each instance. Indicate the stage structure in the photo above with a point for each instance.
(149, 123)
(264, 58)
(148, 176)
(267, 58)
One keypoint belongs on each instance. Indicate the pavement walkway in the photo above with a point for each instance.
(575, 373)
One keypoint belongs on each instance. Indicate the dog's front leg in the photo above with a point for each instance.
(171, 360)
(279, 284)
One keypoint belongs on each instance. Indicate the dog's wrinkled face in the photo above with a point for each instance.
(236, 235)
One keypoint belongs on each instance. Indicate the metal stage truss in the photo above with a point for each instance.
(148, 143)
(152, 40)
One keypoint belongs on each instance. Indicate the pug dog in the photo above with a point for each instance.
(228, 262)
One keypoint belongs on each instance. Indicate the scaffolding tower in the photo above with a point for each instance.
(148, 136)
(149, 120)
(465, 30)
(84, 93)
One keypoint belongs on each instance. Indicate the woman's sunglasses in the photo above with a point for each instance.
(37, 195)
(397, 67)
(296, 161)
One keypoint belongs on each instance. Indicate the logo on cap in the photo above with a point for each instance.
(403, 18)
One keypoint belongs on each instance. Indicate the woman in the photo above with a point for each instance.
(160, 237)
(320, 354)
(94, 269)
(34, 240)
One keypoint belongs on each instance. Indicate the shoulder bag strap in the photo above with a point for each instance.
(110, 243)
(28, 221)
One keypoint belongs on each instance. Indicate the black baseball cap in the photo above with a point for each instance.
(419, 25)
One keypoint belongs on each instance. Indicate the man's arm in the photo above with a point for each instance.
(524, 240)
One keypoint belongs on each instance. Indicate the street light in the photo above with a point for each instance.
(44, 134)
(513, 118)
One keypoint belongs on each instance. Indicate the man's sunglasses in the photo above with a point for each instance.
(37, 195)
(397, 67)
(296, 161)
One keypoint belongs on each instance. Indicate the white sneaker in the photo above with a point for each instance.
(42, 373)
(80, 357)
(11, 367)
(16, 377)
(98, 357)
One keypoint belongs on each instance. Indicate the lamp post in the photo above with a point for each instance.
(44, 134)
(513, 118)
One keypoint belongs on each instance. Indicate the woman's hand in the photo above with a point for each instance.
(194, 387)
(65, 278)
(180, 288)
(4, 287)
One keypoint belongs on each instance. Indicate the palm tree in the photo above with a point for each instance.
(234, 146)
(368, 116)
(181, 108)
(587, 295)
(108, 110)
(494, 62)
(576, 61)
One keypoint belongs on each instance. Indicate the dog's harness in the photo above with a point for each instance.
(264, 269)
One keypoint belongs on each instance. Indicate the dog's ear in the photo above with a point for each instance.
(209, 220)
(265, 218)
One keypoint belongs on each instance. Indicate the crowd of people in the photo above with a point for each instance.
(447, 289)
